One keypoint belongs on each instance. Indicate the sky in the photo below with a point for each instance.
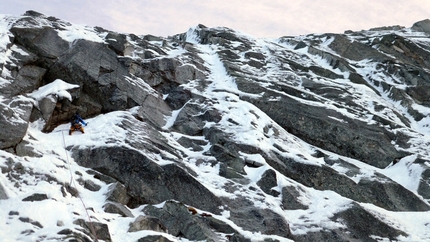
(265, 19)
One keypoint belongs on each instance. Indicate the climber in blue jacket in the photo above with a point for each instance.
(76, 123)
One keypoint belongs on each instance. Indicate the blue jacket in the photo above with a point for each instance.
(76, 119)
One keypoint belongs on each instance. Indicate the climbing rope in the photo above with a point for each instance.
(72, 181)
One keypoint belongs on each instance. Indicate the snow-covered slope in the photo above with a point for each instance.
(293, 139)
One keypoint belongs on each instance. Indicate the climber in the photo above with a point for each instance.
(75, 123)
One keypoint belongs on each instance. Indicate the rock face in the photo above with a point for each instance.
(161, 182)
(211, 135)
(14, 119)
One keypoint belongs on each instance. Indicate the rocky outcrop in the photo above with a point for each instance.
(3, 194)
(177, 220)
(147, 182)
(379, 190)
(14, 119)
(422, 26)
(359, 229)
(213, 135)
(339, 134)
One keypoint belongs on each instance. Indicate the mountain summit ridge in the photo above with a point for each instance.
(213, 135)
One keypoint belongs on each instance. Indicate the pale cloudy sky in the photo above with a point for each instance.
(260, 18)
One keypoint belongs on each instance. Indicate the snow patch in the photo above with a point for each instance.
(57, 88)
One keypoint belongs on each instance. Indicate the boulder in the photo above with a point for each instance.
(116, 41)
(290, 200)
(154, 238)
(422, 26)
(251, 218)
(147, 223)
(35, 197)
(358, 219)
(31, 221)
(153, 110)
(43, 42)
(118, 208)
(96, 230)
(178, 97)
(90, 185)
(46, 106)
(268, 181)
(117, 193)
(179, 221)
(28, 79)
(190, 120)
